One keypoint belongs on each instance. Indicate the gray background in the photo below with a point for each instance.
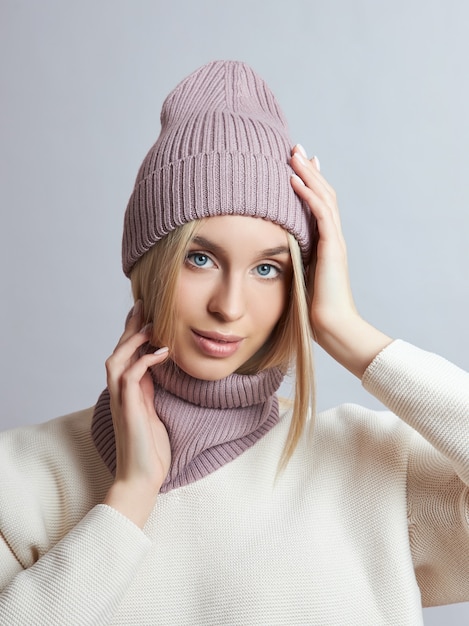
(378, 90)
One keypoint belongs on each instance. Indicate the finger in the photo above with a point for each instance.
(124, 354)
(134, 374)
(133, 322)
(313, 165)
(307, 172)
(321, 209)
(299, 148)
(310, 175)
(313, 160)
(148, 390)
(302, 152)
(131, 389)
(126, 348)
(126, 393)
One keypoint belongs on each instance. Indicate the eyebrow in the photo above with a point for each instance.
(206, 243)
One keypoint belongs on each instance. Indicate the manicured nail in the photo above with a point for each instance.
(298, 179)
(146, 329)
(161, 350)
(302, 150)
(299, 157)
(316, 162)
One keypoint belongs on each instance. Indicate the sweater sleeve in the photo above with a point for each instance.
(432, 396)
(81, 580)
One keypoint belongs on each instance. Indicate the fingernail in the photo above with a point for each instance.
(298, 179)
(316, 162)
(146, 329)
(137, 308)
(302, 150)
(161, 350)
(298, 156)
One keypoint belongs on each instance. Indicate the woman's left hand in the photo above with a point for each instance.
(337, 326)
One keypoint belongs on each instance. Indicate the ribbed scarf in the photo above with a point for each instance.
(209, 423)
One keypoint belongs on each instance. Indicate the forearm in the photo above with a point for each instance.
(428, 393)
(353, 343)
(82, 579)
(135, 502)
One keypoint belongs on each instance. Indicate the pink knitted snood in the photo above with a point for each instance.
(209, 423)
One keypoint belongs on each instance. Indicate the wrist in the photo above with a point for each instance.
(135, 501)
(353, 343)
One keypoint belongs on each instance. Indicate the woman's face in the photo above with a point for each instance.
(232, 291)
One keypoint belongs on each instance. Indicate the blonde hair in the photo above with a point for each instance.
(154, 281)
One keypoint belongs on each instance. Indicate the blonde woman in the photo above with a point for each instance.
(190, 494)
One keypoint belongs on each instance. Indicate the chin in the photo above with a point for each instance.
(210, 371)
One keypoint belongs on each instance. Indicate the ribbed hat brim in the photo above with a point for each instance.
(208, 185)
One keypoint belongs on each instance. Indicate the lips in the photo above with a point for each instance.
(215, 344)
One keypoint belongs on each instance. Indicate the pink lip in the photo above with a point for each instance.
(216, 344)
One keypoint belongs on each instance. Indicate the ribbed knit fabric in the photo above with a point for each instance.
(223, 149)
(209, 423)
(368, 520)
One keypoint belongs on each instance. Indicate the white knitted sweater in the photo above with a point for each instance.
(368, 522)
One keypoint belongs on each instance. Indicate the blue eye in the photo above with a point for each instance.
(267, 271)
(199, 259)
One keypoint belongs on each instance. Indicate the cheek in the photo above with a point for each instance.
(281, 302)
(271, 307)
(189, 296)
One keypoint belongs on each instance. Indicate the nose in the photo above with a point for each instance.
(227, 300)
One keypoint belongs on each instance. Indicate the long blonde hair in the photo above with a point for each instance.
(154, 281)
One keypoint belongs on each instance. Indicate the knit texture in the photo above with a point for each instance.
(367, 521)
(223, 149)
(209, 423)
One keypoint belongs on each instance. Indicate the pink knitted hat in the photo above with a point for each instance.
(223, 150)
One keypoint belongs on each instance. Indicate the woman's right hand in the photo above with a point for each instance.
(336, 324)
(143, 452)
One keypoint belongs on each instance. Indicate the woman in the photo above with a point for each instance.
(190, 494)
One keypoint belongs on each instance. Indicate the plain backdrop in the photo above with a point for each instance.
(378, 90)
